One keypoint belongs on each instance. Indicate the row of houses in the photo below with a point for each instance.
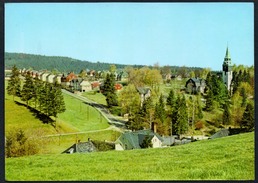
(70, 81)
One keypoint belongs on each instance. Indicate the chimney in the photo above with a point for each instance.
(154, 127)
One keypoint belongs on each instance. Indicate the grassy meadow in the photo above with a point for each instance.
(78, 117)
(96, 97)
(82, 116)
(228, 158)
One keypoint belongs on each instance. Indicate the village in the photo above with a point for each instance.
(92, 80)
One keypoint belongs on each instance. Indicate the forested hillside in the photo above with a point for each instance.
(61, 64)
(65, 64)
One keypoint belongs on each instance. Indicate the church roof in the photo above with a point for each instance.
(227, 54)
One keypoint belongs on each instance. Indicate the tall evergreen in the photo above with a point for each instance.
(160, 113)
(180, 117)
(27, 92)
(226, 117)
(14, 84)
(248, 117)
(199, 107)
(109, 90)
(171, 99)
(209, 101)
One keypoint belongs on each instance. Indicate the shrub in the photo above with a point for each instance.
(115, 110)
(199, 125)
(18, 144)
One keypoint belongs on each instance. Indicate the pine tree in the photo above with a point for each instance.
(226, 118)
(179, 119)
(209, 101)
(38, 84)
(199, 107)
(109, 91)
(28, 89)
(171, 99)
(160, 113)
(14, 84)
(248, 117)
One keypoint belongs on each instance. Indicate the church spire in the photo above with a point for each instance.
(227, 54)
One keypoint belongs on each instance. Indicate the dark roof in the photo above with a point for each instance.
(196, 81)
(143, 90)
(221, 133)
(134, 139)
(82, 147)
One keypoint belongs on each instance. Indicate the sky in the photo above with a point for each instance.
(175, 34)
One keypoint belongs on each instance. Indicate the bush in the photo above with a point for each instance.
(115, 110)
(18, 144)
(199, 125)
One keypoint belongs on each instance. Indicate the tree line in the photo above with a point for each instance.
(46, 97)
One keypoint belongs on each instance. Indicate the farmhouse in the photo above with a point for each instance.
(85, 86)
(135, 140)
(50, 78)
(194, 85)
(81, 147)
(144, 93)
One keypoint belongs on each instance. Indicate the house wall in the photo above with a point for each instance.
(50, 78)
(156, 142)
(118, 147)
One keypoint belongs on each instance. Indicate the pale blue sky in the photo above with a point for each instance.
(191, 34)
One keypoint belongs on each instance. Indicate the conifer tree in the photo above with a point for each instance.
(109, 91)
(226, 118)
(209, 101)
(160, 113)
(248, 117)
(28, 89)
(179, 117)
(199, 107)
(14, 84)
(171, 99)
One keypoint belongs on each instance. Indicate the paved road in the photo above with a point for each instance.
(112, 120)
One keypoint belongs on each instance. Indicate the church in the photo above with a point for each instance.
(227, 67)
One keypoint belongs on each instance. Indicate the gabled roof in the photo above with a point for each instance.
(143, 90)
(134, 139)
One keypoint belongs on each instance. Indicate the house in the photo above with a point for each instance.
(70, 76)
(118, 86)
(95, 85)
(50, 78)
(65, 80)
(85, 86)
(177, 77)
(44, 76)
(81, 147)
(57, 79)
(75, 84)
(135, 140)
(194, 85)
(144, 93)
(221, 133)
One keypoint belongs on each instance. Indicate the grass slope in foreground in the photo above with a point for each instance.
(228, 158)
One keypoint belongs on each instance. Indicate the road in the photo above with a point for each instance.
(112, 120)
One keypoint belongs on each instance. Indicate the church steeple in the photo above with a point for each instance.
(227, 70)
(227, 56)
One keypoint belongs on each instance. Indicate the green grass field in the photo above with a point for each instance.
(228, 158)
(82, 116)
(96, 97)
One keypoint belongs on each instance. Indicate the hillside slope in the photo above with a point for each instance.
(228, 158)
(61, 64)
